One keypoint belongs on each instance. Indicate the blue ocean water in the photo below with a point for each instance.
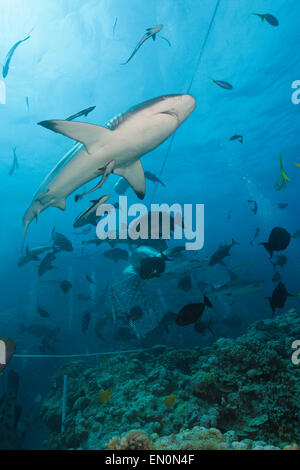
(72, 61)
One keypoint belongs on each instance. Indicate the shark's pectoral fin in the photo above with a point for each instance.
(134, 174)
(87, 134)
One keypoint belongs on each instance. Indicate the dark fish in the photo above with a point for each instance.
(43, 313)
(10, 348)
(98, 329)
(152, 177)
(254, 209)
(255, 235)
(15, 163)
(89, 279)
(238, 137)
(27, 103)
(201, 327)
(168, 319)
(222, 84)
(65, 286)
(85, 323)
(222, 252)
(84, 112)
(46, 263)
(192, 312)
(281, 260)
(152, 266)
(116, 254)
(60, 241)
(115, 24)
(279, 240)
(279, 297)
(185, 283)
(151, 32)
(282, 205)
(9, 56)
(229, 215)
(268, 17)
(276, 277)
(135, 313)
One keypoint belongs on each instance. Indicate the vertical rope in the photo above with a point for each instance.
(188, 91)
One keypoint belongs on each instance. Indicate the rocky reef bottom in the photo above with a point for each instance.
(237, 394)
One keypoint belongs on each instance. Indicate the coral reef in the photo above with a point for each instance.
(247, 388)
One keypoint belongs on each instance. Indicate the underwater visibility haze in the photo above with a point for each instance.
(107, 108)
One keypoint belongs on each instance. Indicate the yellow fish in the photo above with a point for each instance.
(104, 396)
(298, 164)
(170, 401)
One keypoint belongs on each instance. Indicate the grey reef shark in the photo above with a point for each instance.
(115, 148)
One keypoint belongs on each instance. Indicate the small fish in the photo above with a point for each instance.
(238, 137)
(15, 164)
(279, 240)
(152, 177)
(84, 112)
(46, 263)
(192, 312)
(229, 215)
(60, 241)
(276, 277)
(27, 103)
(283, 178)
(98, 330)
(104, 396)
(282, 205)
(43, 313)
(85, 322)
(298, 164)
(257, 231)
(185, 283)
(170, 401)
(279, 297)
(268, 17)
(9, 56)
(115, 25)
(65, 286)
(296, 234)
(222, 84)
(254, 209)
(89, 279)
(150, 32)
(136, 313)
(281, 261)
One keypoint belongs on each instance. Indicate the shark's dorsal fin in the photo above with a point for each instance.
(134, 174)
(87, 134)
